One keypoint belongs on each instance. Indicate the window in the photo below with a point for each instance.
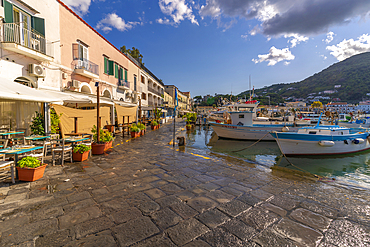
(106, 65)
(125, 75)
(143, 96)
(241, 115)
(312, 132)
(135, 83)
(110, 67)
(116, 71)
(143, 79)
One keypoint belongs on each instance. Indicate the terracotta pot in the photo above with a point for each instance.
(152, 127)
(97, 148)
(80, 156)
(110, 128)
(31, 174)
(108, 145)
(142, 132)
(135, 134)
(188, 127)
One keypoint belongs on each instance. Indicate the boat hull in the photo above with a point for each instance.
(295, 147)
(252, 133)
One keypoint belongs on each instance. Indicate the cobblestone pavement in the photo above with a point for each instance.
(144, 193)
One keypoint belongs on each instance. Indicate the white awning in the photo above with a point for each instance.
(68, 98)
(10, 90)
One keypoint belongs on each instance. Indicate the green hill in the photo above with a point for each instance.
(352, 74)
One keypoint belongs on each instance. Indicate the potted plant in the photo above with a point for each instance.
(107, 138)
(98, 146)
(142, 128)
(37, 124)
(30, 169)
(81, 152)
(157, 116)
(188, 125)
(135, 131)
(154, 125)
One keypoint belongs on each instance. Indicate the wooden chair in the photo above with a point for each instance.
(5, 168)
(47, 142)
(58, 148)
(3, 143)
(39, 153)
(88, 142)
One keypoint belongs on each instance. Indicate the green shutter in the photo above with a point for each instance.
(110, 67)
(38, 24)
(125, 75)
(121, 74)
(105, 65)
(116, 71)
(8, 12)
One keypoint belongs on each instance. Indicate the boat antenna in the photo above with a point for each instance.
(250, 92)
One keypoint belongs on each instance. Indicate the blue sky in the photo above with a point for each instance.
(212, 46)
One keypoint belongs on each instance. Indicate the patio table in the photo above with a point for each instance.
(36, 138)
(19, 150)
(8, 134)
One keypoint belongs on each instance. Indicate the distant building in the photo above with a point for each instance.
(363, 106)
(337, 86)
(295, 104)
(341, 107)
(330, 91)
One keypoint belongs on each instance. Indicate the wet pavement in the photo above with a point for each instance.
(145, 193)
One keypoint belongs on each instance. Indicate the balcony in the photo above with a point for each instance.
(86, 68)
(154, 91)
(23, 41)
(122, 84)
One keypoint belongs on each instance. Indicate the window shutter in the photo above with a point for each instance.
(38, 24)
(110, 67)
(8, 12)
(75, 51)
(125, 75)
(105, 65)
(121, 74)
(116, 71)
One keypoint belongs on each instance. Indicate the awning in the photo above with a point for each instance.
(68, 98)
(10, 90)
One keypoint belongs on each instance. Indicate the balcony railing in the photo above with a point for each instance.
(154, 91)
(14, 33)
(82, 63)
(123, 83)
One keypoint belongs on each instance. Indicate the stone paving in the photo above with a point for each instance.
(145, 193)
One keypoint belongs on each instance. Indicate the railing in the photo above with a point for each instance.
(123, 83)
(154, 91)
(82, 63)
(14, 33)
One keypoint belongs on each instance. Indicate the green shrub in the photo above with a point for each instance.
(134, 128)
(37, 124)
(154, 123)
(30, 162)
(105, 136)
(141, 126)
(81, 148)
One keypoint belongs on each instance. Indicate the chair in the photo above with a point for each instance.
(88, 142)
(4, 169)
(19, 139)
(47, 142)
(39, 153)
(58, 148)
(4, 143)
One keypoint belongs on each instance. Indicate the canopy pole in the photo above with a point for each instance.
(97, 114)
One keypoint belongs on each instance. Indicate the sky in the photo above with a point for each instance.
(215, 46)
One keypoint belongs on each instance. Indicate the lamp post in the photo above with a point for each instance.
(97, 112)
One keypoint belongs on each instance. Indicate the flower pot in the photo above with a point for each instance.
(31, 174)
(110, 128)
(188, 127)
(142, 132)
(97, 148)
(80, 156)
(108, 145)
(152, 127)
(135, 134)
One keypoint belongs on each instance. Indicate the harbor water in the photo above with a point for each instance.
(348, 170)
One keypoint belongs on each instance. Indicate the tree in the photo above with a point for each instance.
(316, 104)
(134, 52)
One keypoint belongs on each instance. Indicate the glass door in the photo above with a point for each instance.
(22, 26)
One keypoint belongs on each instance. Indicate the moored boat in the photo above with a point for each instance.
(322, 140)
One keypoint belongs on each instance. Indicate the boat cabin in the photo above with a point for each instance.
(243, 118)
(324, 130)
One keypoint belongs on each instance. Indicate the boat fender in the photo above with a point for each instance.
(346, 142)
(326, 143)
(358, 141)
(285, 129)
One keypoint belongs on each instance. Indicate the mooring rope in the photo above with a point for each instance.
(251, 145)
(320, 178)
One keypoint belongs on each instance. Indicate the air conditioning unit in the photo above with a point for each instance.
(75, 84)
(36, 70)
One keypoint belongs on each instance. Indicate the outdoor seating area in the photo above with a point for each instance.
(15, 146)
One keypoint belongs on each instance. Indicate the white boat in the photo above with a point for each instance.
(322, 140)
(240, 125)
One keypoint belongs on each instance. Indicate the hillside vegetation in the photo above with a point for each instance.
(352, 74)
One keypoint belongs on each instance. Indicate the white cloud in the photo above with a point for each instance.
(245, 36)
(296, 39)
(113, 20)
(255, 30)
(178, 11)
(283, 17)
(348, 48)
(81, 7)
(164, 21)
(275, 55)
(324, 57)
(329, 37)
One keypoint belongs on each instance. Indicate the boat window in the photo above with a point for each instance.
(245, 108)
(241, 115)
(312, 132)
(341, 132)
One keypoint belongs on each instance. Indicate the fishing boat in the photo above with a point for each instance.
(322, 140)
(239, 124)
